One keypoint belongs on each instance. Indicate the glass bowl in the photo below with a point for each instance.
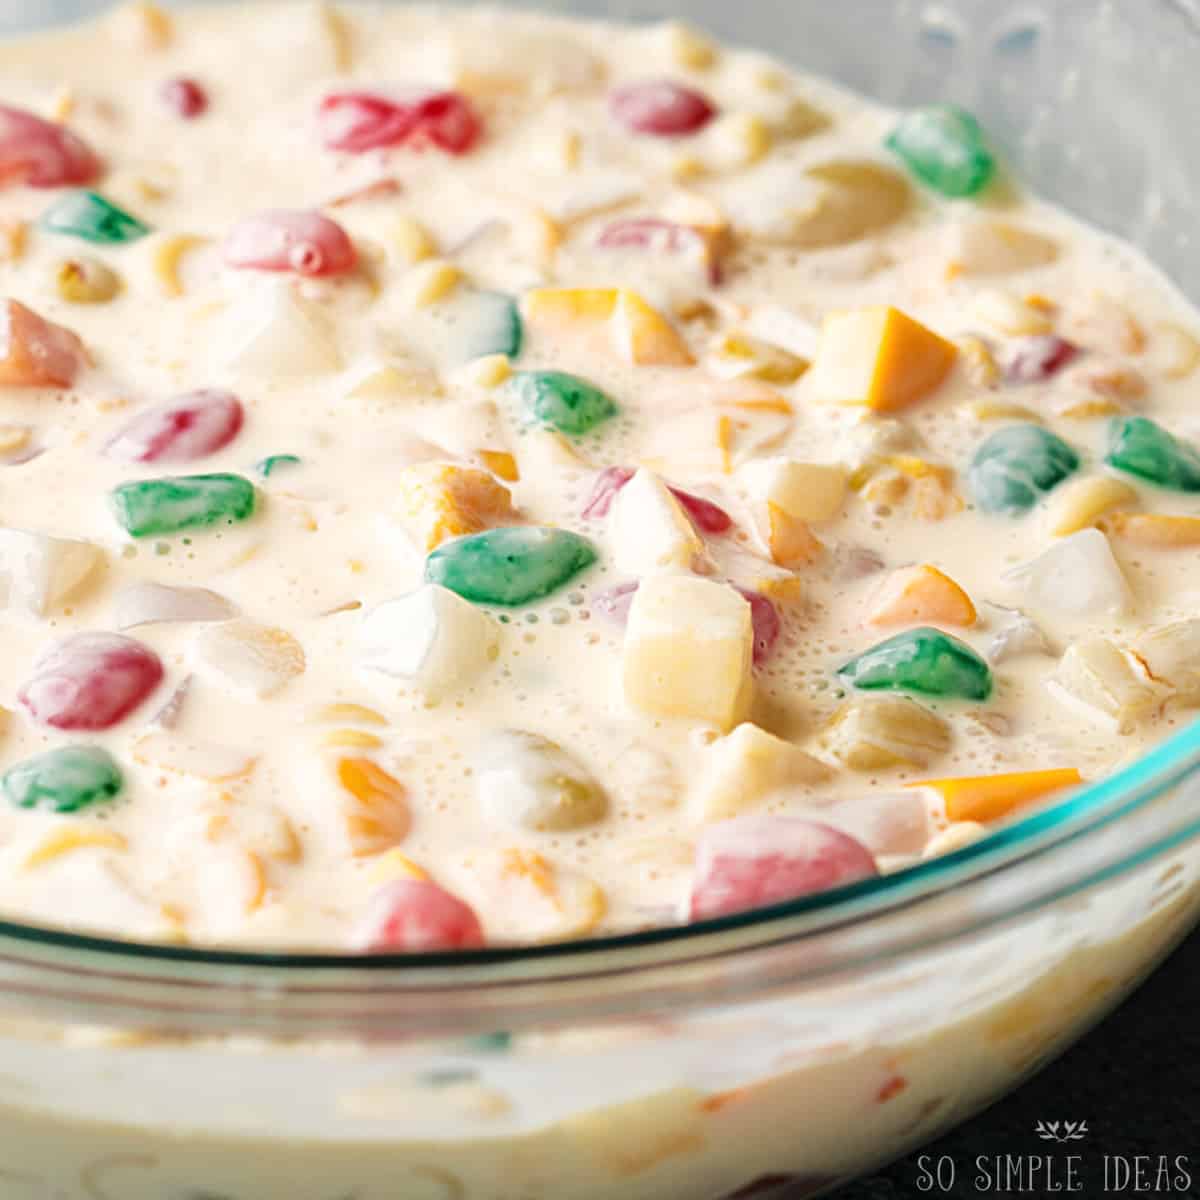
(767, 1055)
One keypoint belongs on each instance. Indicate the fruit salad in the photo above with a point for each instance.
(478, 482)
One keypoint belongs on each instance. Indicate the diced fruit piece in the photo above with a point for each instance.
(1011, 315)
(886, 823)
(525, 781)
(1174, 351)
(254, 659)
(954, 837)
(35, 352)
(880, 358)
(705, 515)
(990, 797)
(920, 595)
(439, 501)
(562, 402)
(290, 337)
(1161, 529)
(510, 566)
(90, 681)
(375, 806)
(650, 530)
(1036, 359)
(1171, 654)
(1077, 577)
(1082, 502)
(431, 639)
(1107, 684)
(944, 147)
(803, 490)
(185, 97)
(358, 121)
(764, 617)
(746, 765)
(689, 649)
(42, 154)
(89, 216)
(1016, 466)
(754, 861)
(493, 326)
(644, 337)
(1141, 447)
(156, 507)
(639, 333)
(789, 540)
(872, 733)
(151, 603)
(1016, 635)
(1099, 322)
(984, 246)
(85, 280)
(661, 108)
(266, 467)
(829, 204)
(688, 47)
(656, 236)
(736, 355)
(41, 572)
(527, 898)
(182, 430)
(199, 760)
(925, 661)
(63, 780)
(299, 240)
(613, 604)
(416, 916)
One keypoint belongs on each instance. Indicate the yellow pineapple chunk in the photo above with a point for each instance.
(878, 358)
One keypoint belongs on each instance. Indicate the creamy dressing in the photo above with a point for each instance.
(246, 841)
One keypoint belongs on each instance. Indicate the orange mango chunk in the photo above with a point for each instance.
(989, 797)
(878, 358)
(921, 596)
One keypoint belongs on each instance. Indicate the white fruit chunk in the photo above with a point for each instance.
(1108, 685)
(884, 822)
(150, 603)
(256, 660)
(294, 338)
(740, 769)
(40, 572)
(650, 530)
(1172, 656)
(688, 652)
(1078, 577)
(432, 639)
(805, 491)
(526, 781)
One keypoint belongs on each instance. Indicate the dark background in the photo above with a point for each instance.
(1135, 1079)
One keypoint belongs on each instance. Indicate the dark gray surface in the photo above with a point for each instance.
(1135, 1080)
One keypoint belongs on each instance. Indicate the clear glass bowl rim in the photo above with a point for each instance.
(1073, 821)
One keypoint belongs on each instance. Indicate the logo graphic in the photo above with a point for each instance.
(1061, 1131)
